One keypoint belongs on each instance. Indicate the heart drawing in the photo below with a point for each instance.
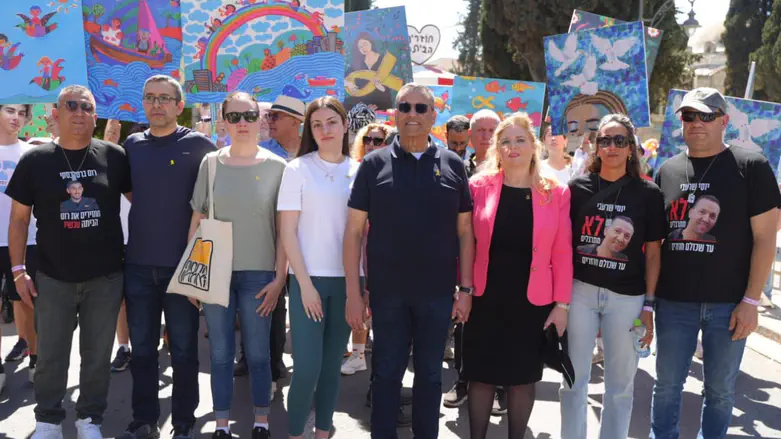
(423, 43)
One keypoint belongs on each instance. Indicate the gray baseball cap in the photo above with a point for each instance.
(707, 100)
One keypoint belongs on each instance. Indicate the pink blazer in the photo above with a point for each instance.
(550, 279)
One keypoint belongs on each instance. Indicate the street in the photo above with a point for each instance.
(757, 410)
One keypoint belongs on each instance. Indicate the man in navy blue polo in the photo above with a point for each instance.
(164, 163)
(416, 198)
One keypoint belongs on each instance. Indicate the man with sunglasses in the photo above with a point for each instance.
(713, 286)
(164, 163)
(80, 266)
(284, 123)
(417, 198)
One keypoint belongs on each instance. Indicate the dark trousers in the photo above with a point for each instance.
(458, 351)
(96, 305)
(146, 300)
(397, 320)
(278, 336)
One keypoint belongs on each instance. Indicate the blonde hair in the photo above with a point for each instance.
(493, 163)
(358, 151)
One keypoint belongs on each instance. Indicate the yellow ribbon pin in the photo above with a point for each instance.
(257, 178)
(480, 102)
(437, 173)
(383, 74)
(172, 162)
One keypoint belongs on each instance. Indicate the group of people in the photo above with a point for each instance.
(510, 247)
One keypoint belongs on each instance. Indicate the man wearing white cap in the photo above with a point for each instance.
(710, 285)
(284, 123)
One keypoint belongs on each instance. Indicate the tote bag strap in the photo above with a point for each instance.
(212, 162)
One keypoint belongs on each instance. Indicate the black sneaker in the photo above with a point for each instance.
(456, 396)
(141, 430)
(500, 403)
(19, 351)
(221, 434)
(260, 433)
(121, 360)
(403, 419)
(183, 432)
(240, 368)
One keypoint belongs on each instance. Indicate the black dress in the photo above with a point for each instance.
(503, 338)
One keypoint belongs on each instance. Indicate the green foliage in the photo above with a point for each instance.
(97, 11)
(300, 49)
(468, 42)
(768, 56)
(742, 36)
(86, 11)
(254, 65)
(357, 5)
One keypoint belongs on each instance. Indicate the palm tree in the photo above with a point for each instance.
(86, 11)
(167, 16)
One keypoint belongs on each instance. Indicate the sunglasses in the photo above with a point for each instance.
(234, 117)
(162, 99)
(376, 141)
(618, 140)
(406, 107)
(273, 117)
(73, 106)
(689, 116)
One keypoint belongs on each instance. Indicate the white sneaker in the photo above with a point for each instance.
(87, 430)
(356, 363)
(31, 375)
(273, 391)
(47, 431)
(2, 381)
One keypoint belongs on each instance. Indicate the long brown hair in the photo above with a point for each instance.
(633, 164)
(308, 143)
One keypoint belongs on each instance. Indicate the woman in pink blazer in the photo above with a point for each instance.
(523, 265)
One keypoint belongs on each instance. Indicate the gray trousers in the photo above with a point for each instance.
(96, 303)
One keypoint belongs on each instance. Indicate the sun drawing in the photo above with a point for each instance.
(64, 5)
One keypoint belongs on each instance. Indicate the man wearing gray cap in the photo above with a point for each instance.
(710, 285)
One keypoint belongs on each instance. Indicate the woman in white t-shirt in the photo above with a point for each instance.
(313, 206)
(558, 163)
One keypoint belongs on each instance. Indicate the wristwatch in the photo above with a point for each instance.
(466, 290)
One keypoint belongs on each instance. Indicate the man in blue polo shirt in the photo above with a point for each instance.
(164, 162)
(284, 127)
(416, 197)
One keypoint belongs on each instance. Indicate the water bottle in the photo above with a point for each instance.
(638, 331)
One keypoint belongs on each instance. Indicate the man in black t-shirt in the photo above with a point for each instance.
(721, 204)
(618, 235)
(80, 247)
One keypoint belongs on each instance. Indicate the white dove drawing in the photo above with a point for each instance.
(583, 80)
(568, 55)
(677, 132)
(749, 129)
(613, 51)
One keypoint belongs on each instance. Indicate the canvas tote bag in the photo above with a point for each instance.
(204, 272)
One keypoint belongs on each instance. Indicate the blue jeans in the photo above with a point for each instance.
(255, 330)
(146, 300)
(399, 321)
(677, 326)
(593, 308)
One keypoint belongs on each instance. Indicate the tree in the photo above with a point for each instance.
(357, 5)
(86, 11)
(742, 36)
(468, 42)
(768, 56)
(97, 11)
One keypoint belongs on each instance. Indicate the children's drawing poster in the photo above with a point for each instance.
(471, 94)
(596, 72)
(442, 97)
(582, 20)
(753, 125)
(266, 48)
(127, 42)
(377, 56)
(37, 54)
(37, 125)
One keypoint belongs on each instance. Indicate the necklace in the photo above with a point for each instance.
(692, 198)
(328, 174)
(609, 213)
(69, 162)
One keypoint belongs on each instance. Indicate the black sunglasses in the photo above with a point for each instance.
(376, 141)
(234, 117)
(73, 106)
(618, 140)
(406, 107)
(689, 116)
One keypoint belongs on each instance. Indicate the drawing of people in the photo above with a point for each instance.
(583, 112)
(617, 237)
(35, 12)
(366, 56)
(112, 34)
(8, 60)
(215, 24)
(77, 201)
(144, 37)
(227, 10)
(45, 70)
(702, 217)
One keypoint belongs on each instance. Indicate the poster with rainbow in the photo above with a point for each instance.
(266, 48)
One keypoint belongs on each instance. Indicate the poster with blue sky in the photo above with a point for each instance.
(442, 98)
(504, 96)
(596, 72)
(266, 48)
(37, 54)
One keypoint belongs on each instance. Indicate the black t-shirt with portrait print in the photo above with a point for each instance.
(608, 240)
(76, 207)
(709, 202)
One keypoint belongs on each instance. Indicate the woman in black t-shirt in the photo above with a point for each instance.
(618, 224)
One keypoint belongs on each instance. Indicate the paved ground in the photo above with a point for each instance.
(757, 412)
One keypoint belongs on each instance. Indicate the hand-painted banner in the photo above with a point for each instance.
(471, 94)
(266, 48)
(582, 20)
(596, 72)
(754, 125)
(38, 56)
(127, 42)
(442, 98)
(377, 56)
(37, 127)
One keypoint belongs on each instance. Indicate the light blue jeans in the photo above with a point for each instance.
(593, 308)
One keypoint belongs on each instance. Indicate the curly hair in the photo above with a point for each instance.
(359, 149)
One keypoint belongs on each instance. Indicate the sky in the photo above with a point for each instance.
(419, 14)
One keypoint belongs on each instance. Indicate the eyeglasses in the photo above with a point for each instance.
(234, 117)
(162, 99)
(406, 107)
(376, 141)
(689, 116)
(618, 140)
(273, 117)
(73, 106)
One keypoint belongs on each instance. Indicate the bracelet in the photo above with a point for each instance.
(18, 267)
(564, 306)
(19, 276)
(650, 298)
(750, 301)
(648, 308)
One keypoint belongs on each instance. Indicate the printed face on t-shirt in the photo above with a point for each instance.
(618, 235)
(75, 190)
(703, 216)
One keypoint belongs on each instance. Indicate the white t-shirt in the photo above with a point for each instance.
(124, 211)
(563, 175)
(319, 190)
(9, 158)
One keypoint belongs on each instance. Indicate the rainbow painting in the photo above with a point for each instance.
(265, 48)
